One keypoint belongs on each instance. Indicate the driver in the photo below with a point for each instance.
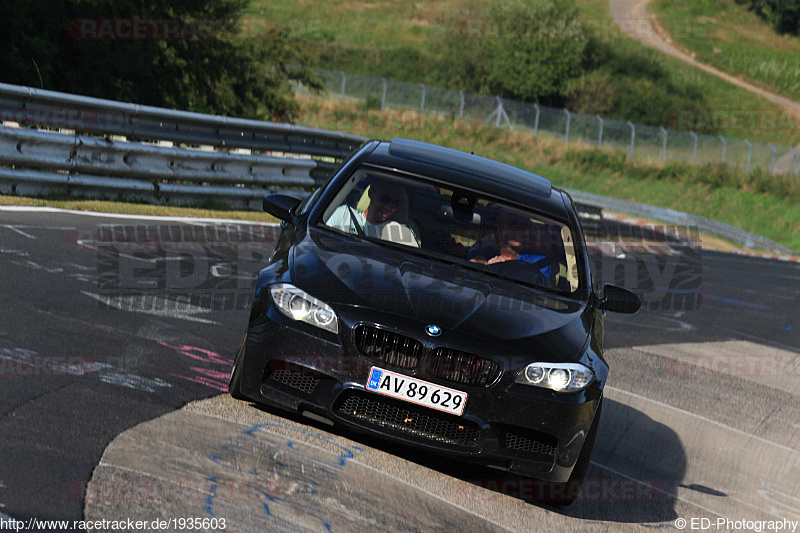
(511, 241)
(376, 220)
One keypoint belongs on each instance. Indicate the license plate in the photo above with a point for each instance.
(416, 391)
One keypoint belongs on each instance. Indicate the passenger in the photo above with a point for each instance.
(514, 239)
(377, 220)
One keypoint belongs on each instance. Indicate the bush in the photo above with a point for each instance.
(592, 94)
(373, 101)
(783, 15)
(540, 50)
(596, 159)
(644, 92)
(527, 50)
(51, 45)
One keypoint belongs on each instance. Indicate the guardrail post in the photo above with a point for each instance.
(633, 139)
(724, 146)
(694, 147)
(461, 104)
(794, 162)
(422, 101)
(664, 145)
(383, 94)
(600, 133)
(536, 121)
(772, 162)
(749, 153)
(344, 82)
(566, 132)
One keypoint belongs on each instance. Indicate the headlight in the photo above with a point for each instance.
(299, 305)
(560, 377)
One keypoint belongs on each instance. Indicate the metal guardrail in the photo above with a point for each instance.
(103, 147)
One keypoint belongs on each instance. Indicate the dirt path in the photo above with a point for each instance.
(626, 12)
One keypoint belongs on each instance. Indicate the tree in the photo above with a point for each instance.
(524, 49)
(540, 46)
(783, 15)
(196, 55)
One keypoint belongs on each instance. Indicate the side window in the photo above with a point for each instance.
(569, 270)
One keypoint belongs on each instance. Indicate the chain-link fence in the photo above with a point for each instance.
(642, 143)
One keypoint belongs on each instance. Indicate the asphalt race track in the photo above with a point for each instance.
(115, 348)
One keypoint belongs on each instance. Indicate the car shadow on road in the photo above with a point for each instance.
(637, 466)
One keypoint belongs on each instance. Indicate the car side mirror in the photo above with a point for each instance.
(281, 206)
(619, 300)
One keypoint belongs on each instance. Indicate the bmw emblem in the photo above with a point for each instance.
(433, 330)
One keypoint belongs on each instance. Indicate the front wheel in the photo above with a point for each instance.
(564, 494)
(235, 381)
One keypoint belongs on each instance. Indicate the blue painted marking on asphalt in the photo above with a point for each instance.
(211, 495)
(308, 469)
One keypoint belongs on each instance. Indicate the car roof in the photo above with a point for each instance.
(471, 172)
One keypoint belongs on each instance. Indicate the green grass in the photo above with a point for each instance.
(380, 37)
(379, 24)
(401, 39)
(762, 204)
(720, 95)
(728, 36)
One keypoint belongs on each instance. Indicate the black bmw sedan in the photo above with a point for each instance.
(439, 299)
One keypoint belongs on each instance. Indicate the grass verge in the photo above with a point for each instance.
(729, 36)
(401, 39)
(721, 96)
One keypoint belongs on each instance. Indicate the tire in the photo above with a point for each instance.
(235, 381)
(572, 487)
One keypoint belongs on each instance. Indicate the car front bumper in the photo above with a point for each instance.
(519, 428)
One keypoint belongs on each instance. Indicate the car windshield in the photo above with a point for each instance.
(456, 225)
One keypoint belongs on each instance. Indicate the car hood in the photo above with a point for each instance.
(343, 271)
